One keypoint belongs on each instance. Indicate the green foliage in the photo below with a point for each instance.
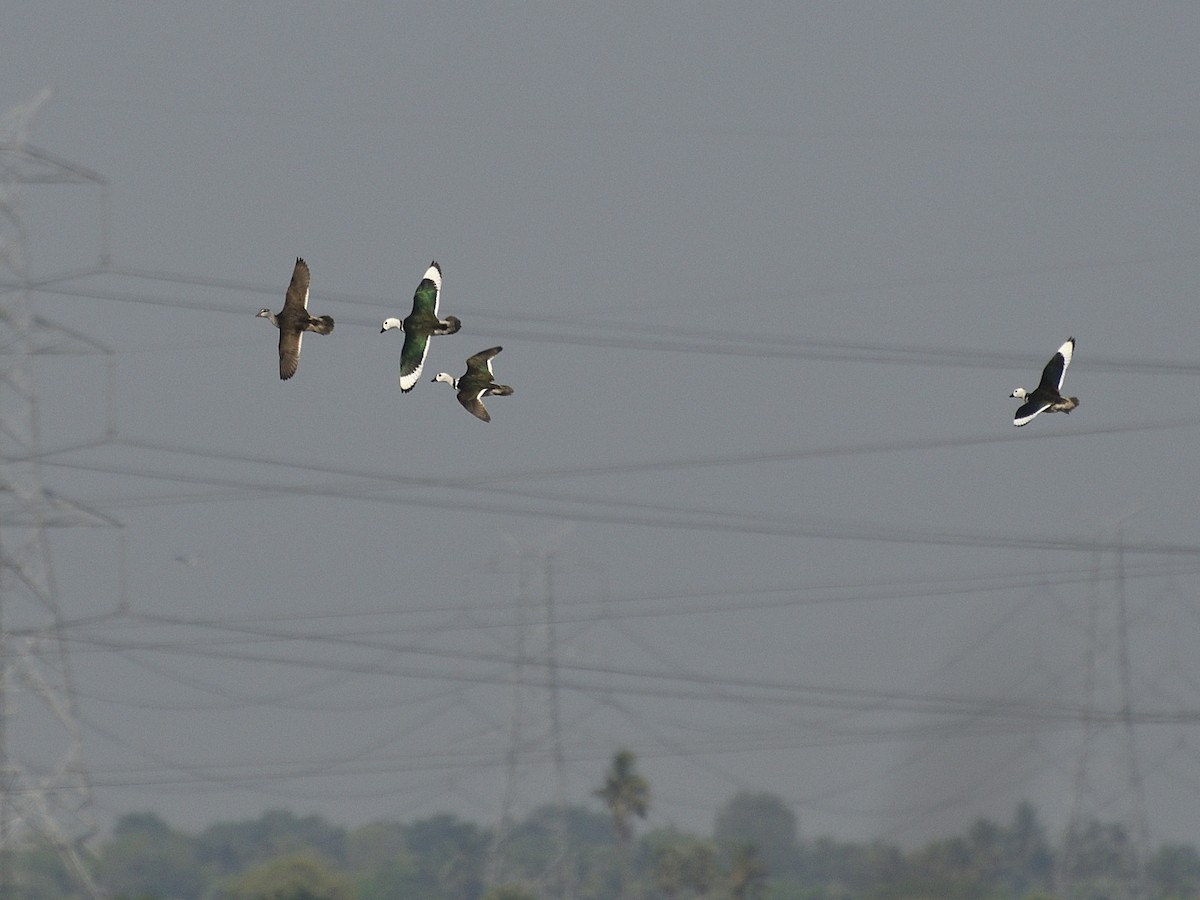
(761, 820)
(747, 873)
(531, 849)
(378, 858)
(449, 856)
(445, 833)
(281, 856)
(388, 882)
(1027, 850)
(510, 892)
(788, 891)
(371, 846)
(1098, 851)
(291, 878)
(990, 860)
(1175, 868)
(233, 846)
(584, 826)
(148, 857)
(40, 874)
(850, 869)
(681, 864)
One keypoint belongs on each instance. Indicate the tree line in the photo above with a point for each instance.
(595, 852)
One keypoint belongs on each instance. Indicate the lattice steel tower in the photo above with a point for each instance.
(535, 670)
(1108, 774)
(45, 791)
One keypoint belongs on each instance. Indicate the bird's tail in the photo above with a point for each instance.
(500, 390)
(450, 326)
(323, 324)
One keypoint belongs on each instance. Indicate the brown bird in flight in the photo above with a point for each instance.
(293, 320)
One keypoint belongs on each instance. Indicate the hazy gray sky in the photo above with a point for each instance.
(764, 278)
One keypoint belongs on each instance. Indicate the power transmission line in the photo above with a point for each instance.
(585, 331)
(46, 794)
(634, 680)
(386, 658)
(603, 508)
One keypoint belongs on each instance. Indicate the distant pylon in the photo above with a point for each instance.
(1107, 769)
(565, 886)
(493, 870)
(45, 790)
(558, 881)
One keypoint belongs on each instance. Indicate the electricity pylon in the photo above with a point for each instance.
(1108, 772)
(558, 880)
(45, 790)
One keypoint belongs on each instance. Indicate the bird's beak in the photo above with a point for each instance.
(382, 330)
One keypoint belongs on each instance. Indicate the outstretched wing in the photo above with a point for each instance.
(425, 300)
(412, 359)
(482, 361)
(1056, 370)
(472, 401)
(1029, 411)
(289, 352)
(297, 292)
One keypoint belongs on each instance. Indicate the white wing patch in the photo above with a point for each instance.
(434, 274)
(1026, 419)
(1066, 350)
(409, 381)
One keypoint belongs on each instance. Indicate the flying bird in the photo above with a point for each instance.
(1046, 397)
(476, 383)
(293, 320)
(419, 324)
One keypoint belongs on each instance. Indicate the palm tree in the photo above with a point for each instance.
(626, 794)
